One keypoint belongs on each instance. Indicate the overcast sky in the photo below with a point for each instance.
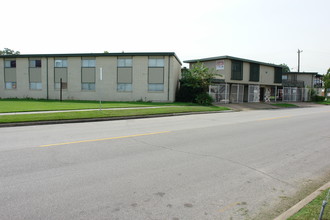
(264, 30)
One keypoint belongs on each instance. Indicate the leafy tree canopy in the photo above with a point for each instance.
(199, 77)
(194, 84)
(326, 80)
(285, 68)
(7, 51)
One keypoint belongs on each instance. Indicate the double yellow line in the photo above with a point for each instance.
(104, 139)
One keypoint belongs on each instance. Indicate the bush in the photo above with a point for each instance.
(318, 98)
(187, 93)
(204, 99)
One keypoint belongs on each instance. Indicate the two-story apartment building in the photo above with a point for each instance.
(242, 80)
(94, 76)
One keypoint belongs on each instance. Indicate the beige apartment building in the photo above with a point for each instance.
(242, 80)
(105, 76)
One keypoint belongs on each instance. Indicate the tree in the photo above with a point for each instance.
(326, 80)
(194, 84)
(285, 68)
(7, 51)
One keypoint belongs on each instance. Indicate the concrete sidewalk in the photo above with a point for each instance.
(77, 110)
(248, 106)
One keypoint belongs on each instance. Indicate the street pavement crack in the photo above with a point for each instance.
(215, 157)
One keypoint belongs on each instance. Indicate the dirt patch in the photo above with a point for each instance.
(303, 190)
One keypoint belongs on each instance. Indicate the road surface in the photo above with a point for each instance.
(211, 166)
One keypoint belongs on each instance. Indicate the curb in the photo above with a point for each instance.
(294, 209)
(106, 119)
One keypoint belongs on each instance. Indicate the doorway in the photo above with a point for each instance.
(262, 94)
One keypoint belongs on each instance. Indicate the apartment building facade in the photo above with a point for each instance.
(242, 80)
(105, 76)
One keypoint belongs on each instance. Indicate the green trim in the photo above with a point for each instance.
(303, 73)
(230, 58)
(94, 55)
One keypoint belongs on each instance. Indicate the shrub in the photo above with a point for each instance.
(204, 99)
(318, 98)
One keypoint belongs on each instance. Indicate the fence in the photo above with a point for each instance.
(294, 94)
(254, 93)
(219, 93)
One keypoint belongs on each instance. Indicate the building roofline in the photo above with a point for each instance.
(94, 55)
(311, 73)
(230, 58)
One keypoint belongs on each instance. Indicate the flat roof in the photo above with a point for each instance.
(94, 55)
(307, 73)
(230, 58)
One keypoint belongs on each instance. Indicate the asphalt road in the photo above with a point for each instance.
(210, 166)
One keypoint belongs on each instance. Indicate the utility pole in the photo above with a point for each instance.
(299, 51)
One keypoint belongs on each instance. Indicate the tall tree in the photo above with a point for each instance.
(285, 68)
(194, 84)
(7, 51)
(326, 80)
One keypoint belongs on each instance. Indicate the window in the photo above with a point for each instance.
(88, 63)
(124, 74)
(156, 79)
(124, 87)
(284, 77)
(10, 85)
(58, 85)
(278, 75)
(10, 63)
(61, 63)
(254, 72)
(88, 75)
(124, 62)
(156, 87)
(35, 63)
(35, 85)
(236, 70)
(88, 86)
(156, 62)
(61, 74)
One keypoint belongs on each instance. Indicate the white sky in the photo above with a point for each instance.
(264, 30)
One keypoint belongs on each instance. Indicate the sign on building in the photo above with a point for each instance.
(220, 65)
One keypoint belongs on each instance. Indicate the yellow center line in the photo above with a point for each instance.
(266, 119)
(103, 139)
(229, 206)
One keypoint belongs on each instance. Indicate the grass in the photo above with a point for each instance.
(312, 210)
(105, 113)
(26, 105)
(18, 105)
(285, 105)
(324, 102)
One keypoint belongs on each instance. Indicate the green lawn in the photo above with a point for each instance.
(285, 105)
(324, 102)
(25, 105)
(105, 113)
(312, 210)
